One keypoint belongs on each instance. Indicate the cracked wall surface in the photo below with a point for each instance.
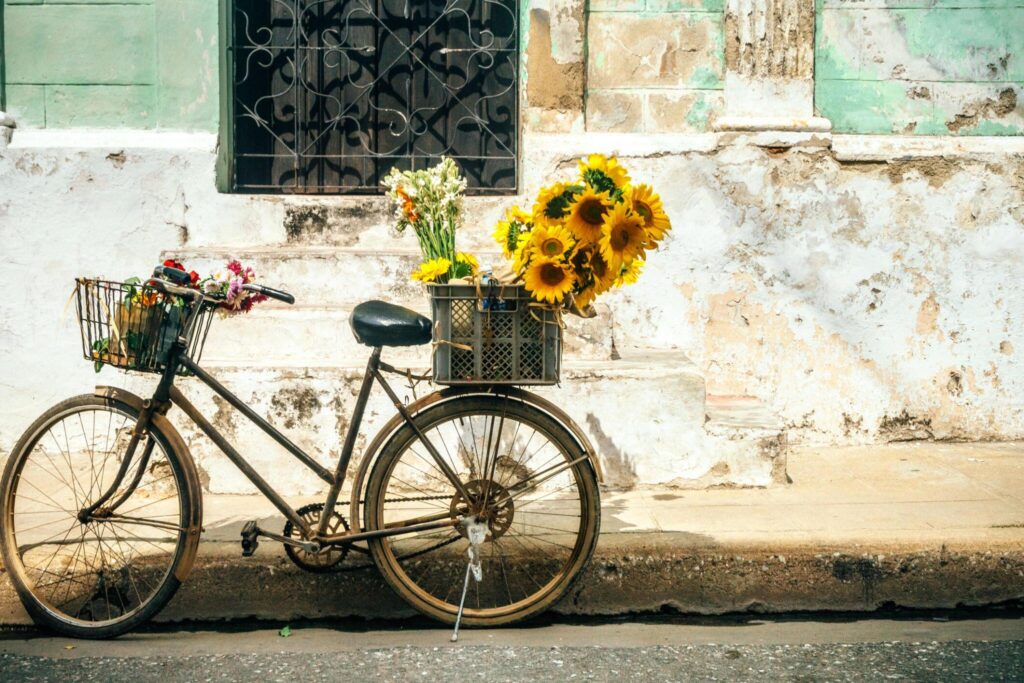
(654, 65)
(920, 67)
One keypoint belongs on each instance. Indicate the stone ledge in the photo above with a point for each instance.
(127, 138)
(631, 573)
(889, 147)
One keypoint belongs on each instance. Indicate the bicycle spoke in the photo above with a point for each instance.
(100, 571)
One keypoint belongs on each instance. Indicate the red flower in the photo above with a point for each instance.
(235, 267)
(194, 276)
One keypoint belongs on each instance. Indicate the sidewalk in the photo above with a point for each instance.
(916, 525)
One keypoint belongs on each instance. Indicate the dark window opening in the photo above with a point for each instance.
(329, 95)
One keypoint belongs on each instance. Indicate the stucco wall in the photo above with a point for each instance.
(131, 64)
(867, 291)
(925, 67)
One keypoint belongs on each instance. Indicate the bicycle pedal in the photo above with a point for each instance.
(250, 540)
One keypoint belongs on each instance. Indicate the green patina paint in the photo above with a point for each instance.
(949, 62)
(967, 44)
(89, 106)
(74, 44)
(706, 78)
(27, 104)
(994, 128)
(100, 63)
(682, 5)
(700, 113)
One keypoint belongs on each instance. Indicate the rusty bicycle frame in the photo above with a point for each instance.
(166, 394)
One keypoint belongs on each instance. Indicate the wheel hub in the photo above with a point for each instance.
(497, 512)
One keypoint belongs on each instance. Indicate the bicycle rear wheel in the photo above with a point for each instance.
(98, 576)
(523, 473)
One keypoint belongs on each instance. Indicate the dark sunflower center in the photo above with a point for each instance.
(599, 266)
(552, 247)
(551, 275)
(619, 238)
(592, 211)
(644, 211)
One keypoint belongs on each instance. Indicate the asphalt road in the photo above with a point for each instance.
(727, 649)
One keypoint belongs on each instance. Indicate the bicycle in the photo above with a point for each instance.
(492, 464)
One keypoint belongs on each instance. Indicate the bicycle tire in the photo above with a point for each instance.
(29, 590)
(389, 559)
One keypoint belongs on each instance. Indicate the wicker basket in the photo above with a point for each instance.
(493, 335)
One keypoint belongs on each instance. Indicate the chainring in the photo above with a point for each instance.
(330, 556)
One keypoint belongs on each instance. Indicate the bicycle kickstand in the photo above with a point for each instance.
(477, 532)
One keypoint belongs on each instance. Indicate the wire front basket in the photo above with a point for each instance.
(132, 326)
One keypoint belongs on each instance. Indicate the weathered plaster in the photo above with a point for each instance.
(920, 68)
(860, 298)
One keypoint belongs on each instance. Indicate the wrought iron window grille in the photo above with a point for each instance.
(326, 96)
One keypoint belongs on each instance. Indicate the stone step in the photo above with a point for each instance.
(275, 334)
(368, 222)
(319, 275)
(746, 431)
(644, 414)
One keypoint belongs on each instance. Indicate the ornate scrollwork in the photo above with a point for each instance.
(328, 95)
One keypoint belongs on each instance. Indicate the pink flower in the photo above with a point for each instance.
(235, 267)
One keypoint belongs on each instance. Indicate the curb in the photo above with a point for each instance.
(631, 573)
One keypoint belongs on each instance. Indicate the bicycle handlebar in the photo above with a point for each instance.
(175, 281)
(271, 292)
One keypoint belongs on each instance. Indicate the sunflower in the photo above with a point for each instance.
(553, 242)
(552, 204)
(587, 214)
(465, 265)
(630, 272)
(431, 271)
(522, 253)
(585, 297)
(646, 204)
(622, 237)
(506, 233)
(603, 274)
(603, 173)
(549, 280)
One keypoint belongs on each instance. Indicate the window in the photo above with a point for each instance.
(327, 95)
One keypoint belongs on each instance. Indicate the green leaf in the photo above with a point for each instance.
(285, 632)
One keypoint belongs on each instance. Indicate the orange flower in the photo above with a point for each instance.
(408, 207)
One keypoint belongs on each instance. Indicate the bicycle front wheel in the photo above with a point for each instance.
(522, 474)
(94, 576)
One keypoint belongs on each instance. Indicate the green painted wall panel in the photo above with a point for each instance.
(187, 64)
(27, 104)
(947, 69)
(100, 63)
(100, 106)
(76, 44)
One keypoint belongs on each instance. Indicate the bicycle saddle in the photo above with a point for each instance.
(378, 323)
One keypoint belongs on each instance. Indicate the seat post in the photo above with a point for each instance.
(350, 438)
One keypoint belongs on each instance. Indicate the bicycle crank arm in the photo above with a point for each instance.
(308, 546)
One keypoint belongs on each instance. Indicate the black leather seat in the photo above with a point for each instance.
(378, 323)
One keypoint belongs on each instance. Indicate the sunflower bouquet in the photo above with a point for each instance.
(430, 203)
(584, 237)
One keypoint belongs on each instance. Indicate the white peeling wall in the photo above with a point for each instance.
(862, 300)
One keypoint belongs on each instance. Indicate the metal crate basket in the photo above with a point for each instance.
(132, 326)
(494, 334)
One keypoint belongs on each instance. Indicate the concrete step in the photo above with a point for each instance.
(644, 415)
(745, 431)
(368, 222)
(319, 275)
(275, 334)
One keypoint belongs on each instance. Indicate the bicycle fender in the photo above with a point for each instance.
(451, 393)
(184, 455)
